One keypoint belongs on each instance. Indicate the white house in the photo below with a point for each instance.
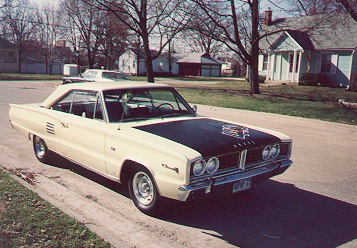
(328, 48)
(184, 64)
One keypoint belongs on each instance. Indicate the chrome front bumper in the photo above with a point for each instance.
(223, 184)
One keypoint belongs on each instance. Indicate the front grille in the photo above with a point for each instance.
(228, 160)
(232, 160)
(254, 156)
(253, 159)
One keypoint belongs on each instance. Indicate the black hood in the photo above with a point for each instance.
(210, 137)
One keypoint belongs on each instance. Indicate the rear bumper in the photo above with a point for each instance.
(224, 183)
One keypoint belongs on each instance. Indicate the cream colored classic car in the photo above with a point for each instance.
(147, 136)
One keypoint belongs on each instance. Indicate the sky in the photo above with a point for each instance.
(264, 4)
(41, 3)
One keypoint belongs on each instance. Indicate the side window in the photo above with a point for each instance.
(64, 105)
(84, 103)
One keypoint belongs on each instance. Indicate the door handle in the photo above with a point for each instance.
(65, 125)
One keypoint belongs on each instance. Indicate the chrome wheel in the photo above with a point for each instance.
(143, 188)
(41, 151)
(40, 147)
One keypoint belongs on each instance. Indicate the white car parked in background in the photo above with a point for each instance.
(93, 75)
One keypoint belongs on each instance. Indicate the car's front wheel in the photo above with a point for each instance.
(41, 151)
(143, 192)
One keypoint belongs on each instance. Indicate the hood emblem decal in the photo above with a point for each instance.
(238, 132)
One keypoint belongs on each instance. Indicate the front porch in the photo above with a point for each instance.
(283, 65)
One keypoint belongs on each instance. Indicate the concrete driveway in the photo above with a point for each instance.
(313, 204)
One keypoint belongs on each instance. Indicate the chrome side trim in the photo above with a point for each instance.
(115, 179)
(50, 128)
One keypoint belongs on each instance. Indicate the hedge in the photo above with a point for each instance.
(314, 79)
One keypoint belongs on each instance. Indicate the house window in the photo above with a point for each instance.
(161, 65)
(8, 57)
(326, 63)
(265, 62)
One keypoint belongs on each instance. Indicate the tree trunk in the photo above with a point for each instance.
(20, 60)
(149, 67)
(253, 65)
(90, 59)
(148, 58)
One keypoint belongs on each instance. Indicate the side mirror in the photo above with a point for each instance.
(194, 107)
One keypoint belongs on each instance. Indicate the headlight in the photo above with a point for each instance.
(199, 167)
(266, 152)
(271, 151)
(212, 165)
(275, 150)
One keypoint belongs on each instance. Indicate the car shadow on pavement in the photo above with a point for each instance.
(272, 214)
(64, 163)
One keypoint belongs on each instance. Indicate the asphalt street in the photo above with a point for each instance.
(312, 204)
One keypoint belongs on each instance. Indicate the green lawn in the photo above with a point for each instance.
(22, 76)
(26, 220)
(303, 101)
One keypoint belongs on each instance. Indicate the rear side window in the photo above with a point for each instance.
(82, 103)
(65, 104)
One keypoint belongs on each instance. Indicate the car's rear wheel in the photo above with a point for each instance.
(143, 191)
(41, 151)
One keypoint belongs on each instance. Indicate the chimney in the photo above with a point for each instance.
(267, 18)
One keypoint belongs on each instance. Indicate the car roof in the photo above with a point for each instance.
(102, 70)
(97, 86)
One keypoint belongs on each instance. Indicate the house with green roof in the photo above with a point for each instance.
(316, 44)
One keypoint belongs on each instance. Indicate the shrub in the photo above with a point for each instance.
(262, 79)
(314, 79)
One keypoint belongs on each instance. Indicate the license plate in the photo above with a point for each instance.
(242, 185)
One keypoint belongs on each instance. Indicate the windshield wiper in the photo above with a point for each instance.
(135, 119)
(171, 115)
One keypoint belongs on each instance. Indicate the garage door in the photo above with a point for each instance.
(211, 71)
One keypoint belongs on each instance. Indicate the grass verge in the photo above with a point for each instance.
(302, 101)
(22, 76)
(26, 220)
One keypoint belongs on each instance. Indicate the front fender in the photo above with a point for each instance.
(167, 161)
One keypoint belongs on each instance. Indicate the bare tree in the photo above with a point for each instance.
(199, 42)
(240, 36)
(350, 6)
(86, 23)
(114, 38)
(314, 7)
(152, 20)
(18, 24)
(47, 34)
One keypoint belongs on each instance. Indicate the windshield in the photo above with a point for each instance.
(89, 74)
(139, 104)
